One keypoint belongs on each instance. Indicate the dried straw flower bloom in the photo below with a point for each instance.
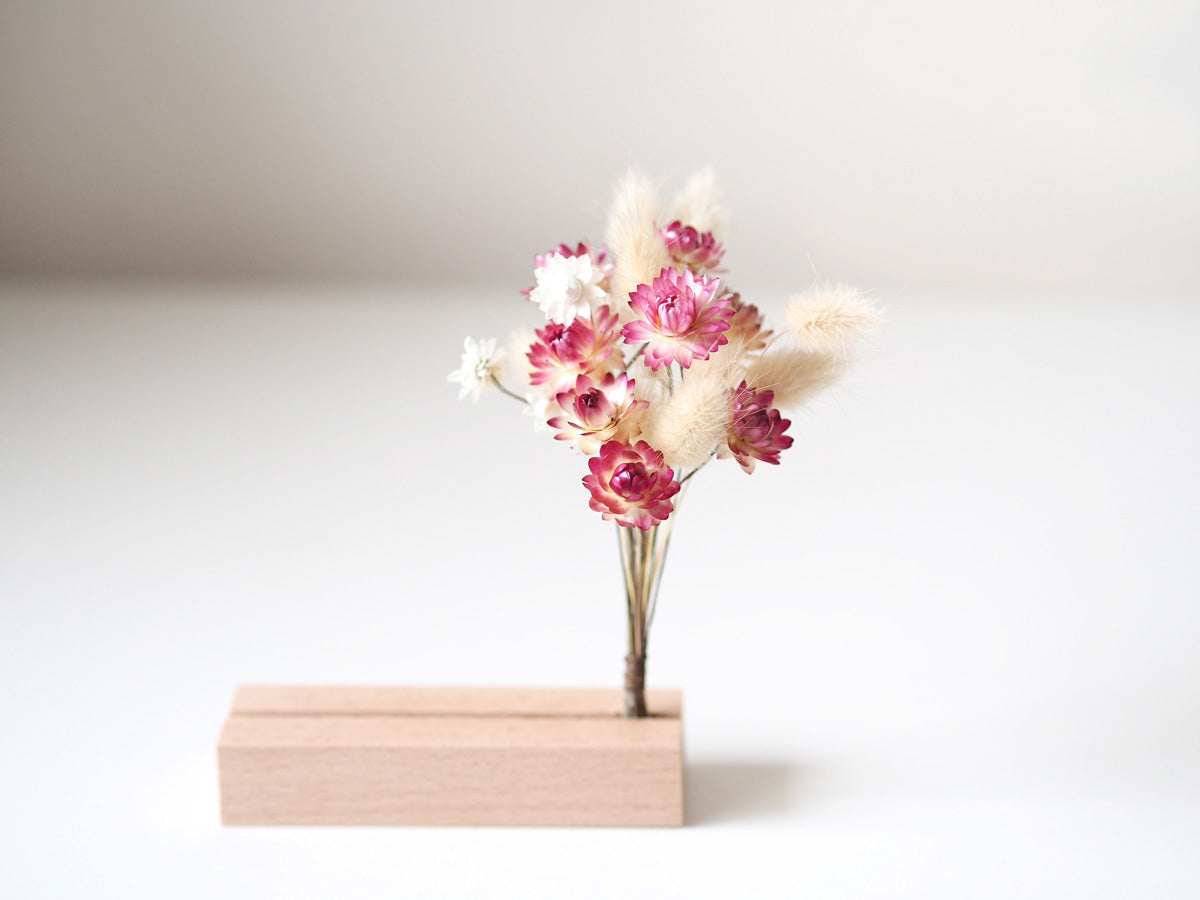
(756, 429)
(696, 250)
(596, 411)
(482, 365)
(562, 353)
(631, 485)
(568, 287)
(680, 318)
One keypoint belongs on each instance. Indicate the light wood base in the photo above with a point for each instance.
(449, 756)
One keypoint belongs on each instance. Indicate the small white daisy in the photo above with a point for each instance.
(482, 364)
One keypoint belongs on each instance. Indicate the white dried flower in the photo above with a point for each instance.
(827, 318)
(482, 364)
(567, 287)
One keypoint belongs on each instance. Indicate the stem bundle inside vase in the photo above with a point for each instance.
(650, 365)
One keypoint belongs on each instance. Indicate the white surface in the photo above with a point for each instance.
(948, 649)
(931, 143)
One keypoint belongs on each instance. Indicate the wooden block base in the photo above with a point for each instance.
(449, 756)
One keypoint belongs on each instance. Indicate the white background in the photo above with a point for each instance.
(947, 649)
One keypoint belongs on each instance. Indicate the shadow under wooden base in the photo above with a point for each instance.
(722, 791)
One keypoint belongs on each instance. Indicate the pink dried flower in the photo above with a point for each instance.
(562, 353)
(756, 431)
(631, 485)
(689, 246)
(597, 411)
(681, 318)
(746, 325)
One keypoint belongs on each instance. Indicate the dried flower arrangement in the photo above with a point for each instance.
(652, 366)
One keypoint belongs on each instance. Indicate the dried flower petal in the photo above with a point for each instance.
(597, 411)
(746, 326)
(568, 287)
(598, 256)
(562, 353)
(681, 318)
(688, 246)
(756, 430)
(481, 366)
(631, 485)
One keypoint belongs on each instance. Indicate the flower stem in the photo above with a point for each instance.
(506, 391)
(663, 545)
(686, 478)
(643, 554)
(638, 569)
(636, 353)
(635, 686)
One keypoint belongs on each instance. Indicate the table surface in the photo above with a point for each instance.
(947, 649)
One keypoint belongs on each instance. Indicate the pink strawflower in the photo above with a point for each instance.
(681, 318)
(598, 255)
(756, 431)
(631, 485)
(597, 411)
(689, 246)
(562, 353)
(746, 325)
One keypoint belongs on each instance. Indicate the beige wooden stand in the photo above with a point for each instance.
(449, 756)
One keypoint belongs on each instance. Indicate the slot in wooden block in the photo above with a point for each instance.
(449, 756)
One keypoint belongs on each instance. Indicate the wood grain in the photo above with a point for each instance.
(449, 756)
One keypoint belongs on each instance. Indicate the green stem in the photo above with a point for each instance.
(506, 391)
(636, 353)
(686, 478)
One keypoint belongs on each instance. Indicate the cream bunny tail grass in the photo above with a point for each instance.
(699, 204)
(690, 423)
(794, 375)
(633, 237)
(729, 364)
(828, 318)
